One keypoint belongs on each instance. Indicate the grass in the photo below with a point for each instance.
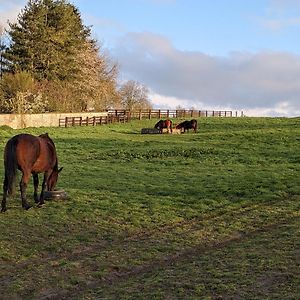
(195, 216)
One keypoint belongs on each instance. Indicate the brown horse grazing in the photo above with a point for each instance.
(160, 125)
(186, 125)
(31, 155)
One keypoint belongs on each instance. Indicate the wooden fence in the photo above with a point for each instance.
(79, 121)
(167, 113)
(123, 116)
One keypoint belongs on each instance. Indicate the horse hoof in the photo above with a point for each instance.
(3, 209)
(40, 204)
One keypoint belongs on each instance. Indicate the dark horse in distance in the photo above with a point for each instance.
(186, 125)
(160, 125)
(31, 155)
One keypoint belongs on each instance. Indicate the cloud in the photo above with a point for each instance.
(268, 81)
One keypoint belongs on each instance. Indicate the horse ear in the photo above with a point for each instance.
(60, 169)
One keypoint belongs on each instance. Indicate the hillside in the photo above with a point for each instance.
(209, 215)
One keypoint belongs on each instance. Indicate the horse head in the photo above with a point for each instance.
(52, 180)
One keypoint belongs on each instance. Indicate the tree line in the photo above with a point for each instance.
(50, 62)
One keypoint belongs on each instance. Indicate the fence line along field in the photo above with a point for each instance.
(208, 215)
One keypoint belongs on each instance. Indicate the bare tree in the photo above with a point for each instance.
(134, 95)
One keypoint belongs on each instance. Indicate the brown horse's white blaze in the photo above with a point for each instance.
(31, 155)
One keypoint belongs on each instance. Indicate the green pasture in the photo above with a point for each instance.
(211, 215)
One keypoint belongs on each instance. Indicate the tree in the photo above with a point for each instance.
(97, 80)
(18, 94)
(46, 39)
(134, 95)
(50, 42)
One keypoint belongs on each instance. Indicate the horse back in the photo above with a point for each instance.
(26, 150)
(33, 153)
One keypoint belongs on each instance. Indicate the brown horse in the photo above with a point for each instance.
(160, 125)
(186, 125)
(31, 155)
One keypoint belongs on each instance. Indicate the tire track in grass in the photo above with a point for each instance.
(118, 276)
(138, 253)
(129, 255)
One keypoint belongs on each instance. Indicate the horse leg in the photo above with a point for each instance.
(5, 189)
(23, 186)
(45, 180)
(36, 185)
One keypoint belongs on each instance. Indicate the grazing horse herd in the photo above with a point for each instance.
(182, 127)
(37, 154)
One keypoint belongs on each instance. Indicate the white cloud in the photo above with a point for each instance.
(266, 81)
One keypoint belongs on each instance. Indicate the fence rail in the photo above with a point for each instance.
(167, 113)
(123, 116)
(93, 121)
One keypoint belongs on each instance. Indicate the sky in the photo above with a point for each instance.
(220, 54)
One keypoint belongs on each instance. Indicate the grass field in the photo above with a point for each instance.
(212, 215)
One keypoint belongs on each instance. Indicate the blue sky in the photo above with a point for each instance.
(218, 54)
(213, 27)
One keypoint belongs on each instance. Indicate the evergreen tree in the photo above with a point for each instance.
(45, 40)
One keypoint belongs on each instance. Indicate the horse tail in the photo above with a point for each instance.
(10, 165)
